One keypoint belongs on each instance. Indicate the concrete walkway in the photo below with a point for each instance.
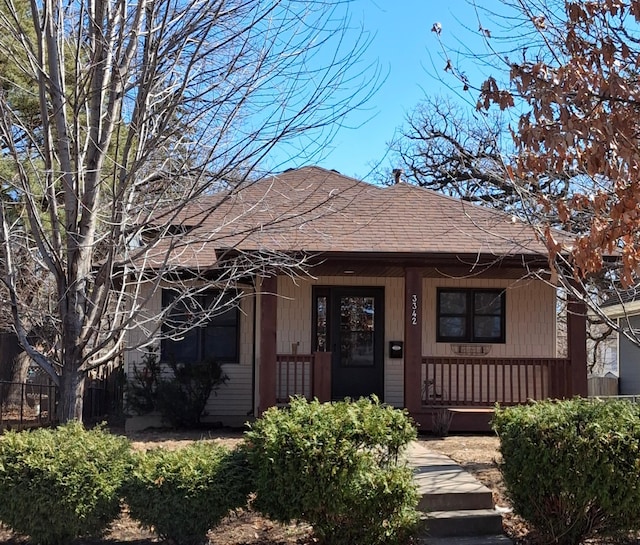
(458, 508)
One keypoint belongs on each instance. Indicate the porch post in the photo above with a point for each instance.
(268, 340)
(577, 346)
(322, 376)
(412, 338)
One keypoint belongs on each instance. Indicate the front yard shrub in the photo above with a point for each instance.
(60, 484)
(335, 466)
(182, 494)
(181, 399)
(178, 391)
(572, 468)
(141, 386)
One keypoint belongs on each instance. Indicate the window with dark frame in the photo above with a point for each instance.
(470, 315)
(320, 320)
(216, 337)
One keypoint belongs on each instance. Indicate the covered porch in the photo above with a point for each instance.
(468, 384)
(470, 387)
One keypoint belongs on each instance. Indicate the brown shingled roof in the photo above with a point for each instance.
(320, 211)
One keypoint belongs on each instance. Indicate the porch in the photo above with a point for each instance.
(459, 378)
(469, 387)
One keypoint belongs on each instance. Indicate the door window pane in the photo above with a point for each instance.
(357, 331)
(321, 323)
(357, 349)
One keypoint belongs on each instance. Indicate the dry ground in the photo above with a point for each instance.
(477, 454)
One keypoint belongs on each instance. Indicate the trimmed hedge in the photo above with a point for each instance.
(572, 468)
(60, 484)
(336, 467)
(183, 493)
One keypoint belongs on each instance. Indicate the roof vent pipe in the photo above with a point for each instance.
(397, 173)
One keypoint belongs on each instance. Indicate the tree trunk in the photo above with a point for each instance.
(19, 371)
(14, 364)
(71, 394)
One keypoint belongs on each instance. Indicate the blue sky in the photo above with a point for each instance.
(409, 53)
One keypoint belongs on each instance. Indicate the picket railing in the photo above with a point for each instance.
(479, 381)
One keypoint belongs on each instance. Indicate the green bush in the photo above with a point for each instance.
(183, 493)
(181, 396)
(336, 467)
(572, 468)
(60, 484)
(141, 386)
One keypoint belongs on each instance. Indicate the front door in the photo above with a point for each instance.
(355, 337)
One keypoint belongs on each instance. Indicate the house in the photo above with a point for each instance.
(427, 301)
(624, 309)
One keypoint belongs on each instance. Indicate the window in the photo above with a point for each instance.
(475, 316)
(321, 320)
(199, 336)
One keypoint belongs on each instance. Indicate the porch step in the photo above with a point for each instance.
(467, 522)
(455, 504)
(465, 540)
(456, 501)
(443, 485)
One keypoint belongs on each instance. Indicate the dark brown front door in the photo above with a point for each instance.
(356, 337)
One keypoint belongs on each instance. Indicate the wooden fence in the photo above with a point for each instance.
(294, 376)
(602, 386)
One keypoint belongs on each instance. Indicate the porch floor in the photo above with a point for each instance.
(455, 505)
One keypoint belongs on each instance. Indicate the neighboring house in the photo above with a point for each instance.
(624, 308)
(426, 301)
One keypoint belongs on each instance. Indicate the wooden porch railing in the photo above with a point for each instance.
(460, 381)
(307, 375)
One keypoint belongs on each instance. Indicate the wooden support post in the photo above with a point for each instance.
(413, 339)
(268, 343)
(577, 347)
(322, 376)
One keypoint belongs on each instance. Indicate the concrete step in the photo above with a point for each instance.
(476, 540)
(456, 501)
(443, 485)
(468, 522)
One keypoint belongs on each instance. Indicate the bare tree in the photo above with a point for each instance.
(469, 155)
(144, 107)
(560, 152)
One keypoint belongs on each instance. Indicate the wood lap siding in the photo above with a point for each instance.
(233, 398)
(530, 319)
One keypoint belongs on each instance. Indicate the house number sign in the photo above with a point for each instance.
(414, 309)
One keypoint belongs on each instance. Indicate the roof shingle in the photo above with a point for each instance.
(320, 211)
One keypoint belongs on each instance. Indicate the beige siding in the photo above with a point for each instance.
(530, 317)
(530, 332)
(234, 399)
(232, 403)
(139, 336)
